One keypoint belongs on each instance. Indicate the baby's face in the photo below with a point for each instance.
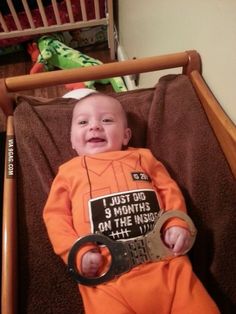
(98, 126)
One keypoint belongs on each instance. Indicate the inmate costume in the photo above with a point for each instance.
(120, 194)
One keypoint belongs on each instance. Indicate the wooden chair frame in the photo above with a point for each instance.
(189, 61)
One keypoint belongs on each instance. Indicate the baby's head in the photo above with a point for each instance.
(99, 125)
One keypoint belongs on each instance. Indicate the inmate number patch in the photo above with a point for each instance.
(140, 176)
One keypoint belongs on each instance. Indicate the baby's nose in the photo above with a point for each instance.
(95, 125)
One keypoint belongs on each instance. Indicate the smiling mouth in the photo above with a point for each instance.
(96, 140)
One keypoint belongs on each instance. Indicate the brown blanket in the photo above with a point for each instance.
(168, 119)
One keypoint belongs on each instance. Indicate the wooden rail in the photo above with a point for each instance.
(9, 229)
(148, 64)
(223, 127)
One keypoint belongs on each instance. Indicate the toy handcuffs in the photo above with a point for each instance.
(126, 255)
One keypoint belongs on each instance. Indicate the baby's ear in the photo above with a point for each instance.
(127, 136)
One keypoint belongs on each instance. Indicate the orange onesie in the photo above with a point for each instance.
(120, 194)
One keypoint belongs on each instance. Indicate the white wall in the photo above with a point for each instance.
(154, 27)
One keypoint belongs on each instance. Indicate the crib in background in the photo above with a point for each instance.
(25, 20)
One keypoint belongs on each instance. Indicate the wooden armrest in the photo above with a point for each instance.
(223, 127)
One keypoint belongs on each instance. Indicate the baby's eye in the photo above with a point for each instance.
(82, 122)
(107, 120)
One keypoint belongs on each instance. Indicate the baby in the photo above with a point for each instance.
(86, 197)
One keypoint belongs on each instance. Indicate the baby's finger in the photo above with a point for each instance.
(179, 245)
(96, 259)
(182, 245)
(169, 239)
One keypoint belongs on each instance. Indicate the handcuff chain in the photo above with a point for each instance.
(138, 251)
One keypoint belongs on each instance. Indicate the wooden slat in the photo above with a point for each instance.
(224, 128)
(42, 13)
(97, 10)
(83, 10)
(14, 15)
(52, 28)
(6, 102)
(69, 10)
(56, 12)
(110, 29)
(9, 231)
(3, 23)
(28, 13)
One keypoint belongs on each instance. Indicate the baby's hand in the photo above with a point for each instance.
(177, 239)
(91, 262)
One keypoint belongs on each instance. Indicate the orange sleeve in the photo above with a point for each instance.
(58, 219)
(169, 194)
